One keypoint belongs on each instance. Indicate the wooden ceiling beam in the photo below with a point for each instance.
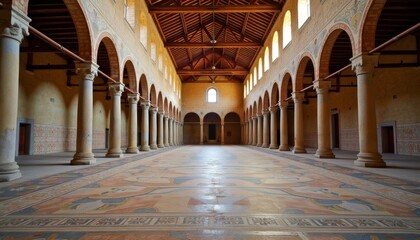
(210, 72)
(210, 45)
(216, 9)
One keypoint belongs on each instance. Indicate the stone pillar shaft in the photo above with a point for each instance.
(153, 128)
(133, 99)
(13, 27)
(250, 131)
(284, 138)
(160, 130)
(266, 129)
(166, 130)
(114, 151)
(201, 133)
(171, 131)
(368, 156)
(324, 142)
(223, 134)
(254, 130)
(145, 105)
(299, 137)
(259, 130)
(273, 129)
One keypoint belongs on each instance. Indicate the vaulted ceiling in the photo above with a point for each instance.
(214, 40)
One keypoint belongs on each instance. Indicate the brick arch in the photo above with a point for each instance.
(328, 45)
(368, 27)
(83, 29)
(109, 43)
(144, 88)
(260, 105)
(131, 72)
(165, 105)
(250, 113)
(274, 95)
(160, 101)
(170, 112)
(153, 97)
(255, 109)
(284, 83)
(300, 72)
(266, 101)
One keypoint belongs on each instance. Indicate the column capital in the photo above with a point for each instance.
(283, 104)
(116, 89)
(364, 63)
(322, 86)
(273, 109)
(265, 112)
(153, 109)
(86, 70)
(298, 96)
(133, 98)
(144, 103)
(13, 23)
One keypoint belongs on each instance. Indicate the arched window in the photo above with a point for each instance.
(211, 95)
(160, 63)
(143, 30)
(266, 59)
(129, 12)
(250, 82)
(255, 76)
(275, 46)
(304, 11)
(260, 69)
(153, 51)
(244, 90)
(287, 29)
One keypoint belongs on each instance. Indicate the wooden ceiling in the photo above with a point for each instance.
(214, 40)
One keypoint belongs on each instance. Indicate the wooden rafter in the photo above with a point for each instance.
(210, 45)
(216, 9)
(209, 72)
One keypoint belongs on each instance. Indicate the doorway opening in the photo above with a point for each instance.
(388, 139)
(335, 130)
(212, 132)
(24, 139)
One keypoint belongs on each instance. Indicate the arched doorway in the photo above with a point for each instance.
(232, 128)
(192, 128)
(212, 128)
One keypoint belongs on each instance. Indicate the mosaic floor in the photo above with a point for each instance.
(212, 192)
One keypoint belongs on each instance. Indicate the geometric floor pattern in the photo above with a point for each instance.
(212, 192)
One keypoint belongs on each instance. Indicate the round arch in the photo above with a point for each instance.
(232, 128)
(129, 75)
(191, 128)
(144, 88)
(110, 51)
(212, 128)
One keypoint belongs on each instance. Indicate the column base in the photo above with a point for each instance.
(9, 172)
(265, 145)
(259, 145)
(325, 153)
(114, 154)
(153, 147)
(145, 148)
(373, 160)
(284, 148)
(273, 146)
(132, 150)
(299, 150)
(83, 159)
(161, 146)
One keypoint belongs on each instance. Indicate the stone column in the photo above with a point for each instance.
(266, 129)
(114, 151)
(145, 105)
(223, 133)
(170, 130)
(86, 73)
(166, 130)
(201, 133)
(284, 139)
(153, 127)
(133, 99)
(299, 142)
(13, 27)
(363, 65)
(254, 130)
(175, 132)
(160, 130)
(259, 130)
(250, 131)
(273, 129)
(323, 121)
